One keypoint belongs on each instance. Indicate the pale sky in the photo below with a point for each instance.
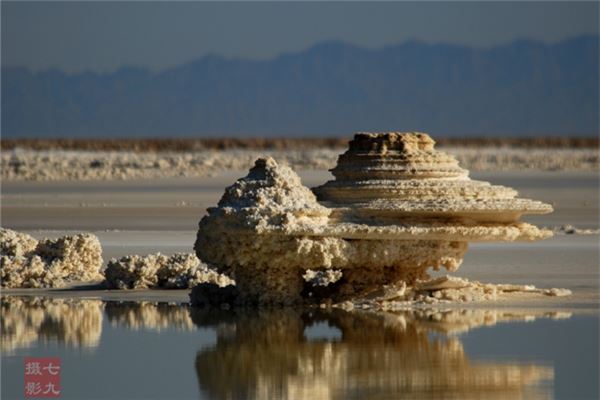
(103, 36)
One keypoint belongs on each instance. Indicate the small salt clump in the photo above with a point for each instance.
(571, 230)
(322, 277)
(28, 263)
(14, 243)
(178, 271)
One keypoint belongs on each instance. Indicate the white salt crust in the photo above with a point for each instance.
(28, 263)
(74, 165)
(440, 291)
(178, 271)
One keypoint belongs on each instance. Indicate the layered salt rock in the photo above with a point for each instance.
(397, 185)
(396, 208)
(177, 271)
(28, 263)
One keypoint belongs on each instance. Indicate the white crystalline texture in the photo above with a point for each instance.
(270, 197)
(14, 243)
(160, 271)
(396, 208)
(76, 165)
(26, 262)
(49, 165)
(444, 289)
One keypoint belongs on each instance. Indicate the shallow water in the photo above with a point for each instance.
(160, 350)
(176, 204)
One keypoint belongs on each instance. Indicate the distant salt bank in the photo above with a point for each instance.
(280, 143)
(30, 164)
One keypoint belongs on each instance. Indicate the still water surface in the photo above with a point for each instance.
(142, 350)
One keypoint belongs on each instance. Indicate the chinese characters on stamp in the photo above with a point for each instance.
(42, 377)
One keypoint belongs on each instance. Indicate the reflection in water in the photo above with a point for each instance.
(265, 354)
(28, 320)
(459, 321)
(78, 322)
(154, 316)
(285, 353)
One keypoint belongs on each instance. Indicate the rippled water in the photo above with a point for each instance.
(160, 350)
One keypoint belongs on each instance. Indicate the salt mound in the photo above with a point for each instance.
(26, 262)
(159, 271)
(251, 234)
(396, 208)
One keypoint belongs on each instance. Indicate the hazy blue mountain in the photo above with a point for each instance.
(525, 87)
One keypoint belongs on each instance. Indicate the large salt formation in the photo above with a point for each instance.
(396, 208)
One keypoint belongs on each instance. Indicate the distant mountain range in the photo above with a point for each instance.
(522, 88)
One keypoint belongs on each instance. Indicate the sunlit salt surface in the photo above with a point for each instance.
(114, 350)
